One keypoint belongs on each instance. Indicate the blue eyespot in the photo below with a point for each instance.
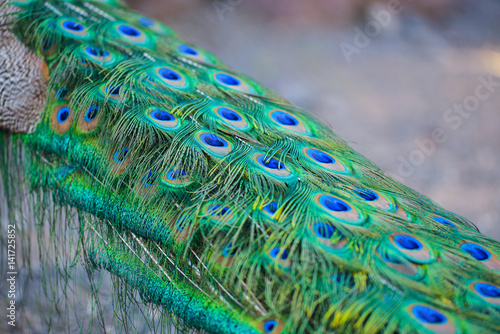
(275, 251)
(120, 155)
(169, 74)
(91, 113)
(129, 30)
(72, 25)
(337, 278)
(162, 115)
(270, 163)
(391, 259)
(182, 224)
(366, 194)
(47, 45)
(407, 242)
(284, 118)
(271, 208)
(149, 179)
(96, 52)
(488, 290)
(228, 250)
(62, 92)
(63, 114)
(227, 79)
(213, 140)
(476, 251)
(270, 325)
(444, 221)
(229, 114)
(215, 210)
(175, 175)
(428, 315)
(334, 204)
(324, 231)
(145, 22)
(388, 257)
(320, 157)
(112, 90)
(187, 50)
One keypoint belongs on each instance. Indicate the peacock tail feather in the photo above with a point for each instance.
(215, 199)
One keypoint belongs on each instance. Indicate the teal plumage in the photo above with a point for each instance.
(218, 200)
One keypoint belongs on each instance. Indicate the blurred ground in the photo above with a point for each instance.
(392, 95)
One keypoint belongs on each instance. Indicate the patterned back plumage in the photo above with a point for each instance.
(233, 209)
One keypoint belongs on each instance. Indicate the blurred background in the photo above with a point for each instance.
(414, 86)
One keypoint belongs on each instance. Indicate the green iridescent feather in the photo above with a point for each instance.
(216, 199)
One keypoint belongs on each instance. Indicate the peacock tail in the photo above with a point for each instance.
(213, 197)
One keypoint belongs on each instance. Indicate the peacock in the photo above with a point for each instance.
(210, 198)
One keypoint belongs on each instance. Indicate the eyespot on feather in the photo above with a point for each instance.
(147, 22)
(98, 55)
(73, 28)
(193, 53)
(62, 118)
(112, 93)
(486, 291)
(232, 118)
(176, 178)
(221, 214)
(339, 209)
(45, 71)
(90, 118)
(402, 213)
(147, 185)
(288, 121)
(119, 160)
(271, 326)
(187, 50)
(149, 179)
(226, 258)
(172, 77)
(163, 119)
(183, 228)
(271, 166)
(444, 222)
(325, 160)
(62, 93)
(233, 82)
(481, 254)
(413, 249)
(214, 144)
(407, 268)
(131, 34)
(280, 256)
(270, 208)
(375, 199)
(157, 27)
(432, 319)
(48, 48)
(323, 232)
